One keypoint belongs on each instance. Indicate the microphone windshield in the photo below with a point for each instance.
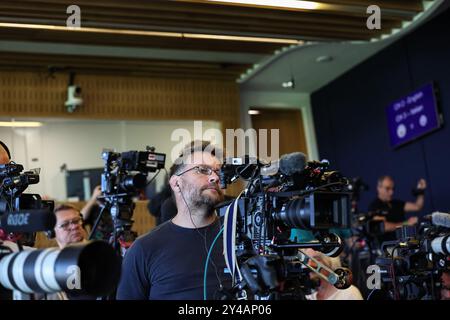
(292, 163)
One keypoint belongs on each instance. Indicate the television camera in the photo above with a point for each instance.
(291, 193)
(85, 268)
(411, 266)
(124, 176)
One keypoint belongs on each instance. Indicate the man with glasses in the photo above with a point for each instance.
(169, 262)
(68, 230)
(69, 226)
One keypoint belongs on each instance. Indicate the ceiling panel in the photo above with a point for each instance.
(337, 21)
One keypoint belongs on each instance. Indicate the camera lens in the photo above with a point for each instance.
(133, 182)
(95, 266)
(319, 210)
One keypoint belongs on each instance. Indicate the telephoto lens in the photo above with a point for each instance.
(91, 268)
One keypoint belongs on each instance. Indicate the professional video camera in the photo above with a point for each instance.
(124, 176)
(279, 197)
(23, 213)
(92, 268)
(411, 265)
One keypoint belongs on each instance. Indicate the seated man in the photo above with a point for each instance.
(169, 262)
(68, 230)
(69, 226)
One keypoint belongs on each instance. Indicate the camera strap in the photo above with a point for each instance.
(229, 239)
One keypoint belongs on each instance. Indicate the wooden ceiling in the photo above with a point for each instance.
(207, 58)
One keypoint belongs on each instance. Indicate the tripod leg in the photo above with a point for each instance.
(97, 221)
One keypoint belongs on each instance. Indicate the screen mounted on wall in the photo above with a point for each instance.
(413, 116)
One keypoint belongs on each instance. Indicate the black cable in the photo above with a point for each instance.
(204, 239)
(154, 177)
(427, 175)
(97, 221)
(392, 272)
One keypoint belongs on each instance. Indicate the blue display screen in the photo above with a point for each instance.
(413, 116)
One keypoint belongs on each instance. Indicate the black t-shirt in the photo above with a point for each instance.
(394, 211)
(168, 264)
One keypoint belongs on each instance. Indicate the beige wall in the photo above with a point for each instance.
(159, 103)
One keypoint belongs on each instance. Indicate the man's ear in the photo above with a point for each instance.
(173, 181)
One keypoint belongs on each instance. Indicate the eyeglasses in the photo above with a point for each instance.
(65, 225)
(207, 171)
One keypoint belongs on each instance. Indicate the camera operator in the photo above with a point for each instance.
(392, 211)
(68, 230)
(5, 155)
(69, 226)
(169, 262)
(4, 159)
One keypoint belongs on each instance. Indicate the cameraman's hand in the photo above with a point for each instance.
(96, 193)
(412, 221)
(421, 184)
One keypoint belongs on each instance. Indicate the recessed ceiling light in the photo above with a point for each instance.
(324, 59)
(293, 4)
(288, 84)
(18, 124)
(253, 112)
(151, 33)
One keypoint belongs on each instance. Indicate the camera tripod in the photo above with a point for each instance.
(120, 207)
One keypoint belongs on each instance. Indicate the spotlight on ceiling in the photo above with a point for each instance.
(288, 84)
(253, 112)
